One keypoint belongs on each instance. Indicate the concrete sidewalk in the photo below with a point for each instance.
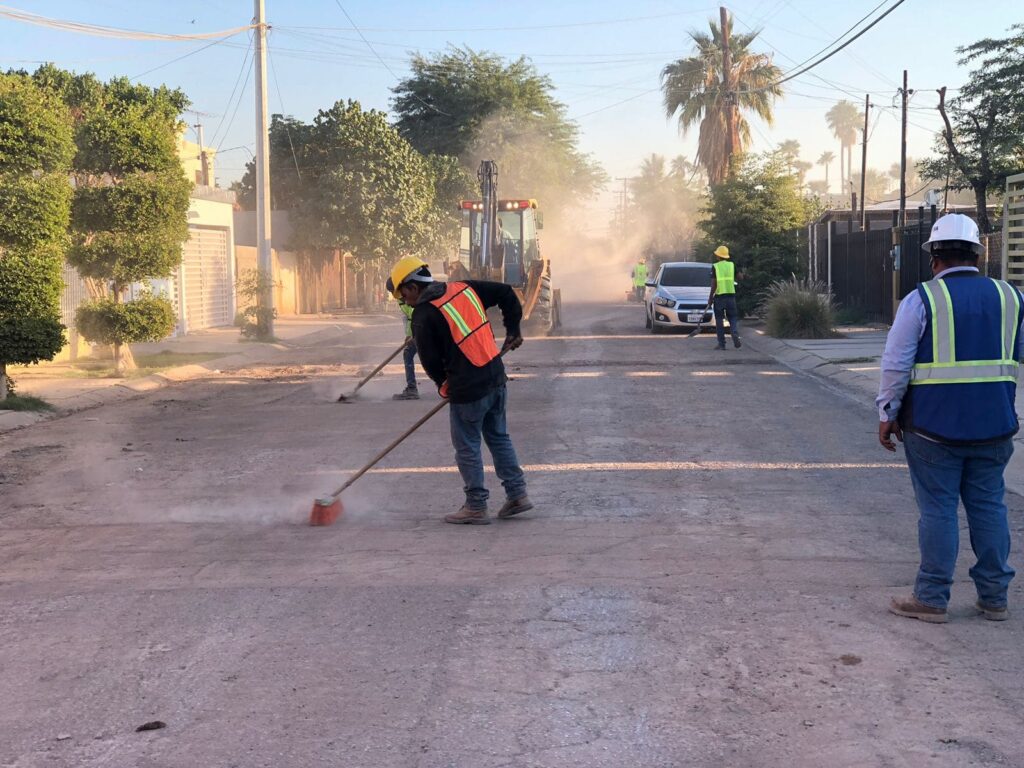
(852, 365)
(51, 382)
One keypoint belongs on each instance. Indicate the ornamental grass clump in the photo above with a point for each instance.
(799, 309)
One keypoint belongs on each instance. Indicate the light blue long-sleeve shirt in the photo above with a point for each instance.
(901, 350)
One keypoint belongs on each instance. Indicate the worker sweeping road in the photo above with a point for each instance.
(411, 391)
(947, 390)
(723, 296)
(457, 350)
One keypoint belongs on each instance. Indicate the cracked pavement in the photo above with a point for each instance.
(716, 598)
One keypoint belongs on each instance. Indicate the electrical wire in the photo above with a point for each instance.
(530, 27)
(179, 58)
(280, 100)
(247, 70)
(25, 17)
(374, 52)
(832, 53)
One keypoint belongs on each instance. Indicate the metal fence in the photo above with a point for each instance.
(72, 296)
(859, 265)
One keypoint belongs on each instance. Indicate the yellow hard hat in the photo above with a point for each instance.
(722, 252)
(406, 266)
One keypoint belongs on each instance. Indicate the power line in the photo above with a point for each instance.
(280, 98)
(247, 70)
(374, 52)
(529, 27)
(832, 53)
(100, 31)
(179, 58)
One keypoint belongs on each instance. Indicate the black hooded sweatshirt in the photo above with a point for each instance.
(443, 360)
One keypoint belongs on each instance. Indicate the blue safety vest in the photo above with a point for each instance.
(964, 380)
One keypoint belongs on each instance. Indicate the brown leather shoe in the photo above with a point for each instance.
(467, 516)
(515, 506)
(991, 613)
(913, 608)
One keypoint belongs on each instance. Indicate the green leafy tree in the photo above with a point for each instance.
(476, 106)
(693, 88)
(36, 148)
(844, 120)
(983, 137)
(129, 213)
(756, 213)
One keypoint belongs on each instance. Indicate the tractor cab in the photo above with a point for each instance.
(515, 248)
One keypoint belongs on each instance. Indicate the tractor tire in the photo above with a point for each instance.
(544, 316)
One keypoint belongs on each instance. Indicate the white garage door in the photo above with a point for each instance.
(205, 279)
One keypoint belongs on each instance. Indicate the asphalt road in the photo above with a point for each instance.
(703, 582)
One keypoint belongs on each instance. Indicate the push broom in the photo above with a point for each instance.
(696, 330)
(328, 508)
(349, 396)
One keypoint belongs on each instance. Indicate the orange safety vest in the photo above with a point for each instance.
(468, 323)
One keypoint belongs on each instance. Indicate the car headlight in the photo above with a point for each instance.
(661, 301)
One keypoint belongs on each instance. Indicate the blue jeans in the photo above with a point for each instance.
(409, 357)
(485, 418)
(942, 476)
(725, 306)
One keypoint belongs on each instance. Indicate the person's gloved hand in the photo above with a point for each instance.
(512, 342)
(443, 390)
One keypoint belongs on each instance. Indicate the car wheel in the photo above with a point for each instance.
(655, 328)
(647, 319)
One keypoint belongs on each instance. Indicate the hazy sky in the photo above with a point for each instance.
(604, 59)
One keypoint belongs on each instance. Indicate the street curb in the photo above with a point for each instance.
(129, 390)
(848, 383)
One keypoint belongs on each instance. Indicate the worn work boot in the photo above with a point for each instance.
(913, 608)
(515, 506)
(409, 393)
(719, 347)
(992, 613)
(737, 343)
(467, 516)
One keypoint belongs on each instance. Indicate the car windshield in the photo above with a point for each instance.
(689, 277)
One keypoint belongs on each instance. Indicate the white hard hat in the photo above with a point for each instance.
(954, 228)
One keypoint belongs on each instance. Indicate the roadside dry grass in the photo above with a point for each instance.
(24, 403)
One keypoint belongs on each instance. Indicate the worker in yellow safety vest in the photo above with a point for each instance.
(411, 391)
(639, 280)
(723, 296)
(457, 350)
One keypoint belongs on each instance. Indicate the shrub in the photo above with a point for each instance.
(799, 309)
(255, 320)
(105, 321)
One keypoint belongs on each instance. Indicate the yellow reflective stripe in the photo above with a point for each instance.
(456, 317)
(966, 372)
(1002, 316)
(985, 380)
(470, 294)
(931, 305)
(949, 318)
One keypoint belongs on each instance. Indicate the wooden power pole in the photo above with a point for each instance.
(728, 96)
(864, 164)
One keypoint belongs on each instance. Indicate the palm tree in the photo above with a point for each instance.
(790, 151)
(693, 88)
(844, 120)
(826, 160)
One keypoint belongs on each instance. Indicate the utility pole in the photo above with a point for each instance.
(901, 219)
(204, 158)
(728, 95)
(864, 163)
(263, 233)
(903, 154)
